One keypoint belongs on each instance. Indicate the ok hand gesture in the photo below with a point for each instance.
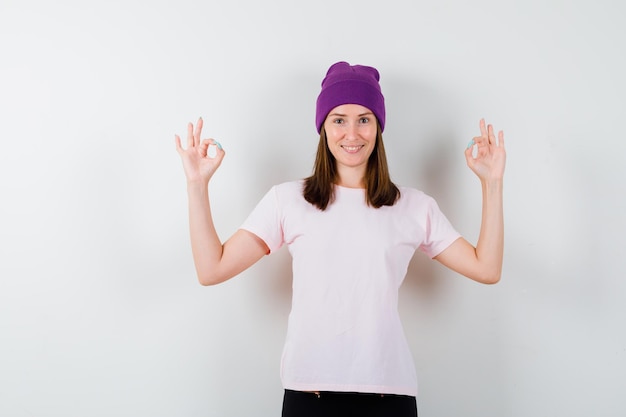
(490, 157)
(198, 164)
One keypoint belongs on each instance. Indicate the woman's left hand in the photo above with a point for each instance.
(490, 157)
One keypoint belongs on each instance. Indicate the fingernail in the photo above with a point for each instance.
(470, 144)
(219, 145)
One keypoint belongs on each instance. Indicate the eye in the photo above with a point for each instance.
(364, 120)
(338, 121)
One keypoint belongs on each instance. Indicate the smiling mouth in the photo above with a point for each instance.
(352, 149)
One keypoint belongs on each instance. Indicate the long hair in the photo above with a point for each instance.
(380, 190)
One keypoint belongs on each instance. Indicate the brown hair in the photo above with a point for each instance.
(319, 188)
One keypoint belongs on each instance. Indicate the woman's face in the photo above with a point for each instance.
(351, 135)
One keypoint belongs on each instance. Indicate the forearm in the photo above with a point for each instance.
(206, 246)
(483, 262)
(490, 245)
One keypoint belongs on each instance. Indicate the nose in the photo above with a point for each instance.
(352, 131)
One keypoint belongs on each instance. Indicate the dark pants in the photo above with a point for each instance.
(347, 404)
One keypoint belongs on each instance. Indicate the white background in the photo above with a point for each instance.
(100, 310)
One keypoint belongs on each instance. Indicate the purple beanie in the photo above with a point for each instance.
(350, 84)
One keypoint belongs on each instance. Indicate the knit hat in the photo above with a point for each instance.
(350, 84)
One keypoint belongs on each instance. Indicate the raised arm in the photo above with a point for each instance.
(215, 262)
(483, 263)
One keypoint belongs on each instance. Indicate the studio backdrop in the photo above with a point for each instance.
(101, 313)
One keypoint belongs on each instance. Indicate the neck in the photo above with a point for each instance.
(351, 178)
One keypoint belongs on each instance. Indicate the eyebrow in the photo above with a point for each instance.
(369, 113)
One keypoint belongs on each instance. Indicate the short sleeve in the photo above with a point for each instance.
(439, 231)
(265, 221)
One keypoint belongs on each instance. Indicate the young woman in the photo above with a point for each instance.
(352, 233)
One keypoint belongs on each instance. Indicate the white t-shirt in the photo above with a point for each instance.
(344, 332)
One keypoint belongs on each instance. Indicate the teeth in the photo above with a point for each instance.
(352, 148)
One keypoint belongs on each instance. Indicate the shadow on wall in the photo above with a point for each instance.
(423, 280)
(274, 287)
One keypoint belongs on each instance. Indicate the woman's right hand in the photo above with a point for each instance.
(198, 164)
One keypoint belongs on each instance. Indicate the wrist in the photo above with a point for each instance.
(199, 184)
(492, 184)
